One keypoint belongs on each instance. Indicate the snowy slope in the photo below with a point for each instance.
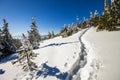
(105, 50)
(10, 71)
(57, 53)
(57, 57)
(60, 52)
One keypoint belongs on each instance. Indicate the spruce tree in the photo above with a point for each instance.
(52, 34)
(33, 34)
(70, 31)
(1, 35)
(95, 18)
(25, 55)
(7, 36)
(49, 35)
(115, 12)
(1, 46)
(17, 43)
(64, 30)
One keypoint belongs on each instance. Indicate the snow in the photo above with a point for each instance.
(61, 54)
(10, 70)
(103, 49)
(58, 52)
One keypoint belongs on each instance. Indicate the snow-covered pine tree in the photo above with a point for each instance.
(33, 34)
(95, 17)
(17, 42)
(105, 23)
(64, 30)
(1, 36)
(1, 45)
(52, 34)
(115, 12)
(6, 41)
(7, 36)
(26, 55)
(70, 31)
(49, 35)
(111, 16)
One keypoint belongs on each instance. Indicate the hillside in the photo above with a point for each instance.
(106, 47)
(86, 55)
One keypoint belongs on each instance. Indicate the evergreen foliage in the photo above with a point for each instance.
(64, 30)
(33, 35)
(49, 35)
(17, 43)
(110, 19)
(53, 35)
(115, 12)
(7, 45)
(69, 32)
(25, 55)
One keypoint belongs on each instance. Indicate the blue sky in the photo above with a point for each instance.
(49, 14)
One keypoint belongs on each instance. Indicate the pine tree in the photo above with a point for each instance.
(69, 31)
(94, 18)
(25, 55)
(64, 30)
(115, 12)
(7, 36)
(1, 46)
(105, 23)
(52, 34)
(34, 36)
(1, 36)
(8, 40)
(17, 43)
(109, 19)
(49, 35)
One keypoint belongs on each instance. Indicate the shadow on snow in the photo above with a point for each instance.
(58, 44)
(51, 71)
(9, 58)
(2, 71)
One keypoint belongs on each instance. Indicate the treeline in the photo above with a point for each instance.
(110, 18)
(68, 30)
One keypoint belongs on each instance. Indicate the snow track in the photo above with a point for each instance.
(80, 62)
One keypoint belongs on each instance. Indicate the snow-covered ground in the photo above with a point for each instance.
(58, 53)
(104, 51)
(10, 72)
(58, 57)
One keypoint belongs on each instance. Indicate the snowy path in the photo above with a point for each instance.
(80, 62)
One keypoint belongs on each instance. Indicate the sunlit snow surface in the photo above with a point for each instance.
(57, 56)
